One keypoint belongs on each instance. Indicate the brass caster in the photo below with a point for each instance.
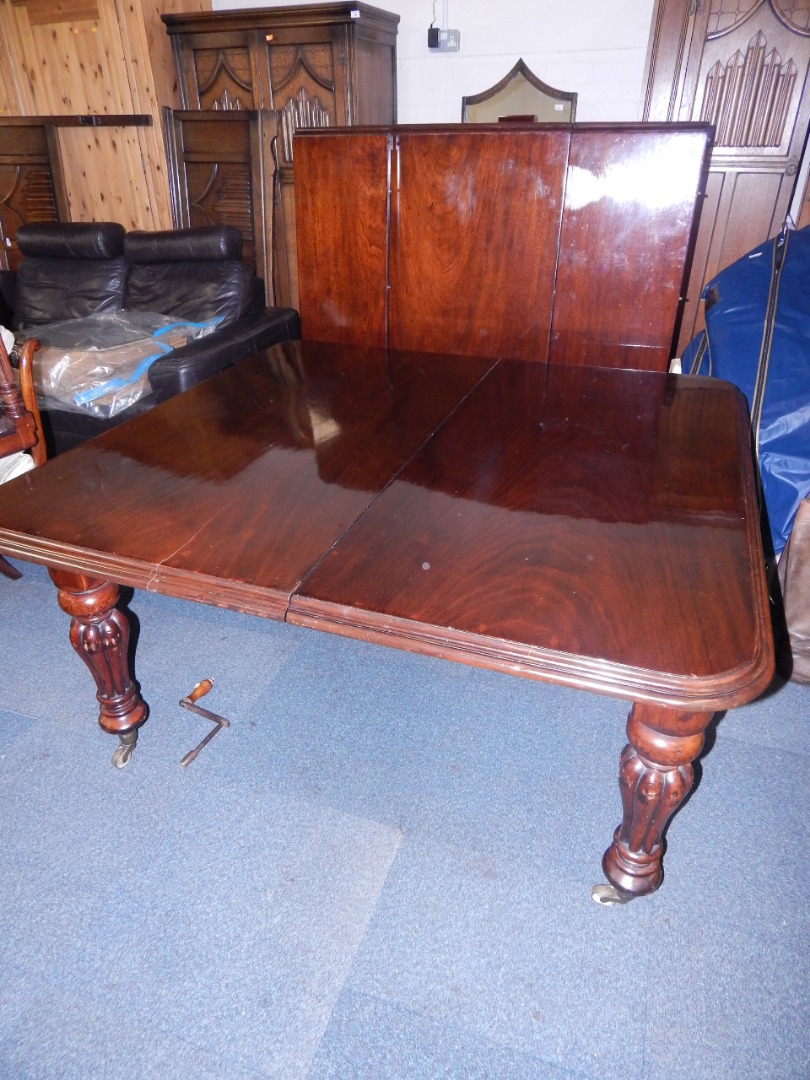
(120, 758)
(609, 896)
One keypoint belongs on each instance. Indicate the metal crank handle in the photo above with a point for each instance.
(200, 690)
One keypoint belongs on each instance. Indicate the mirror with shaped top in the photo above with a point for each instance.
(520, 96)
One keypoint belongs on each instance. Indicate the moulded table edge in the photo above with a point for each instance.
(150, 577)
(700, 693)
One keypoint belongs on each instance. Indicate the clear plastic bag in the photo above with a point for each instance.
(100, 364)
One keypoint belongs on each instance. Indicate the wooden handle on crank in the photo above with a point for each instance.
(200, 690)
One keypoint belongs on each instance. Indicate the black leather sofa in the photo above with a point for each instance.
(70, 270)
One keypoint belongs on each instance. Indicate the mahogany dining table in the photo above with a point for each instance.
(588, 526)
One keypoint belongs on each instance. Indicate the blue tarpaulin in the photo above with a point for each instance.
(758, 337)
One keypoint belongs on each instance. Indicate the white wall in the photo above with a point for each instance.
(596, 47)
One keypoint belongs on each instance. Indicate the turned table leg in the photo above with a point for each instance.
(99, 633)
(655, 776)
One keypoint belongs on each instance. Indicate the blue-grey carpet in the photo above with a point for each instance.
(382, 870)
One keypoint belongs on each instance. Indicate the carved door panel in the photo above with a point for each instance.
(300, 72)
(312, 65)
(307, 69)
(308, 84)
(297, 72)
(741, 65)
(218, 71)
(26, 194)
(32, 186)
(221, 173)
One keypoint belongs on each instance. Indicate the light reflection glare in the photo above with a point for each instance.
(324, 427)
(656, 181)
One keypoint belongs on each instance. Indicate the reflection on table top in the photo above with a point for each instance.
(593, 525)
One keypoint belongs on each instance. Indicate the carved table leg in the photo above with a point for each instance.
(99, 633)
(655, 776)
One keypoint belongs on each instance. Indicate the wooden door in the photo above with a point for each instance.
(298, 71)
(741, 65)
(314, 65)
(307, 79)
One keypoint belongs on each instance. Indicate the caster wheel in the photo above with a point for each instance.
(122, 755)
(609, 896)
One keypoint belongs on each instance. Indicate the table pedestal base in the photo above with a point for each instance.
(655, 776)
(99, 633)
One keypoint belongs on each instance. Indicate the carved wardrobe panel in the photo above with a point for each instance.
(743, 66)
(312, 65)
(221, 167)
(752, 65)
(32, 186)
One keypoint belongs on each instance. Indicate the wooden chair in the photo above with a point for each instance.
(20, 423)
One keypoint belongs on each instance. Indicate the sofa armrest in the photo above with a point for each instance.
(207, 356)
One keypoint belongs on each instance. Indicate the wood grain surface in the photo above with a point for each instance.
(475, 225)
(342, 208)
(631, 199)
(593, 526)
(230, 492)
(567, 242)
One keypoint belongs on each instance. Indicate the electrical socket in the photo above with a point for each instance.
(449, 41)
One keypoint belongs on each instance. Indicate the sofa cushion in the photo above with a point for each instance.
(206, 356)
(193, 274)
(204, 244)
(71, 239)
(68, 270)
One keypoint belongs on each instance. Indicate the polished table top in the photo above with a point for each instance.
(592, 526)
